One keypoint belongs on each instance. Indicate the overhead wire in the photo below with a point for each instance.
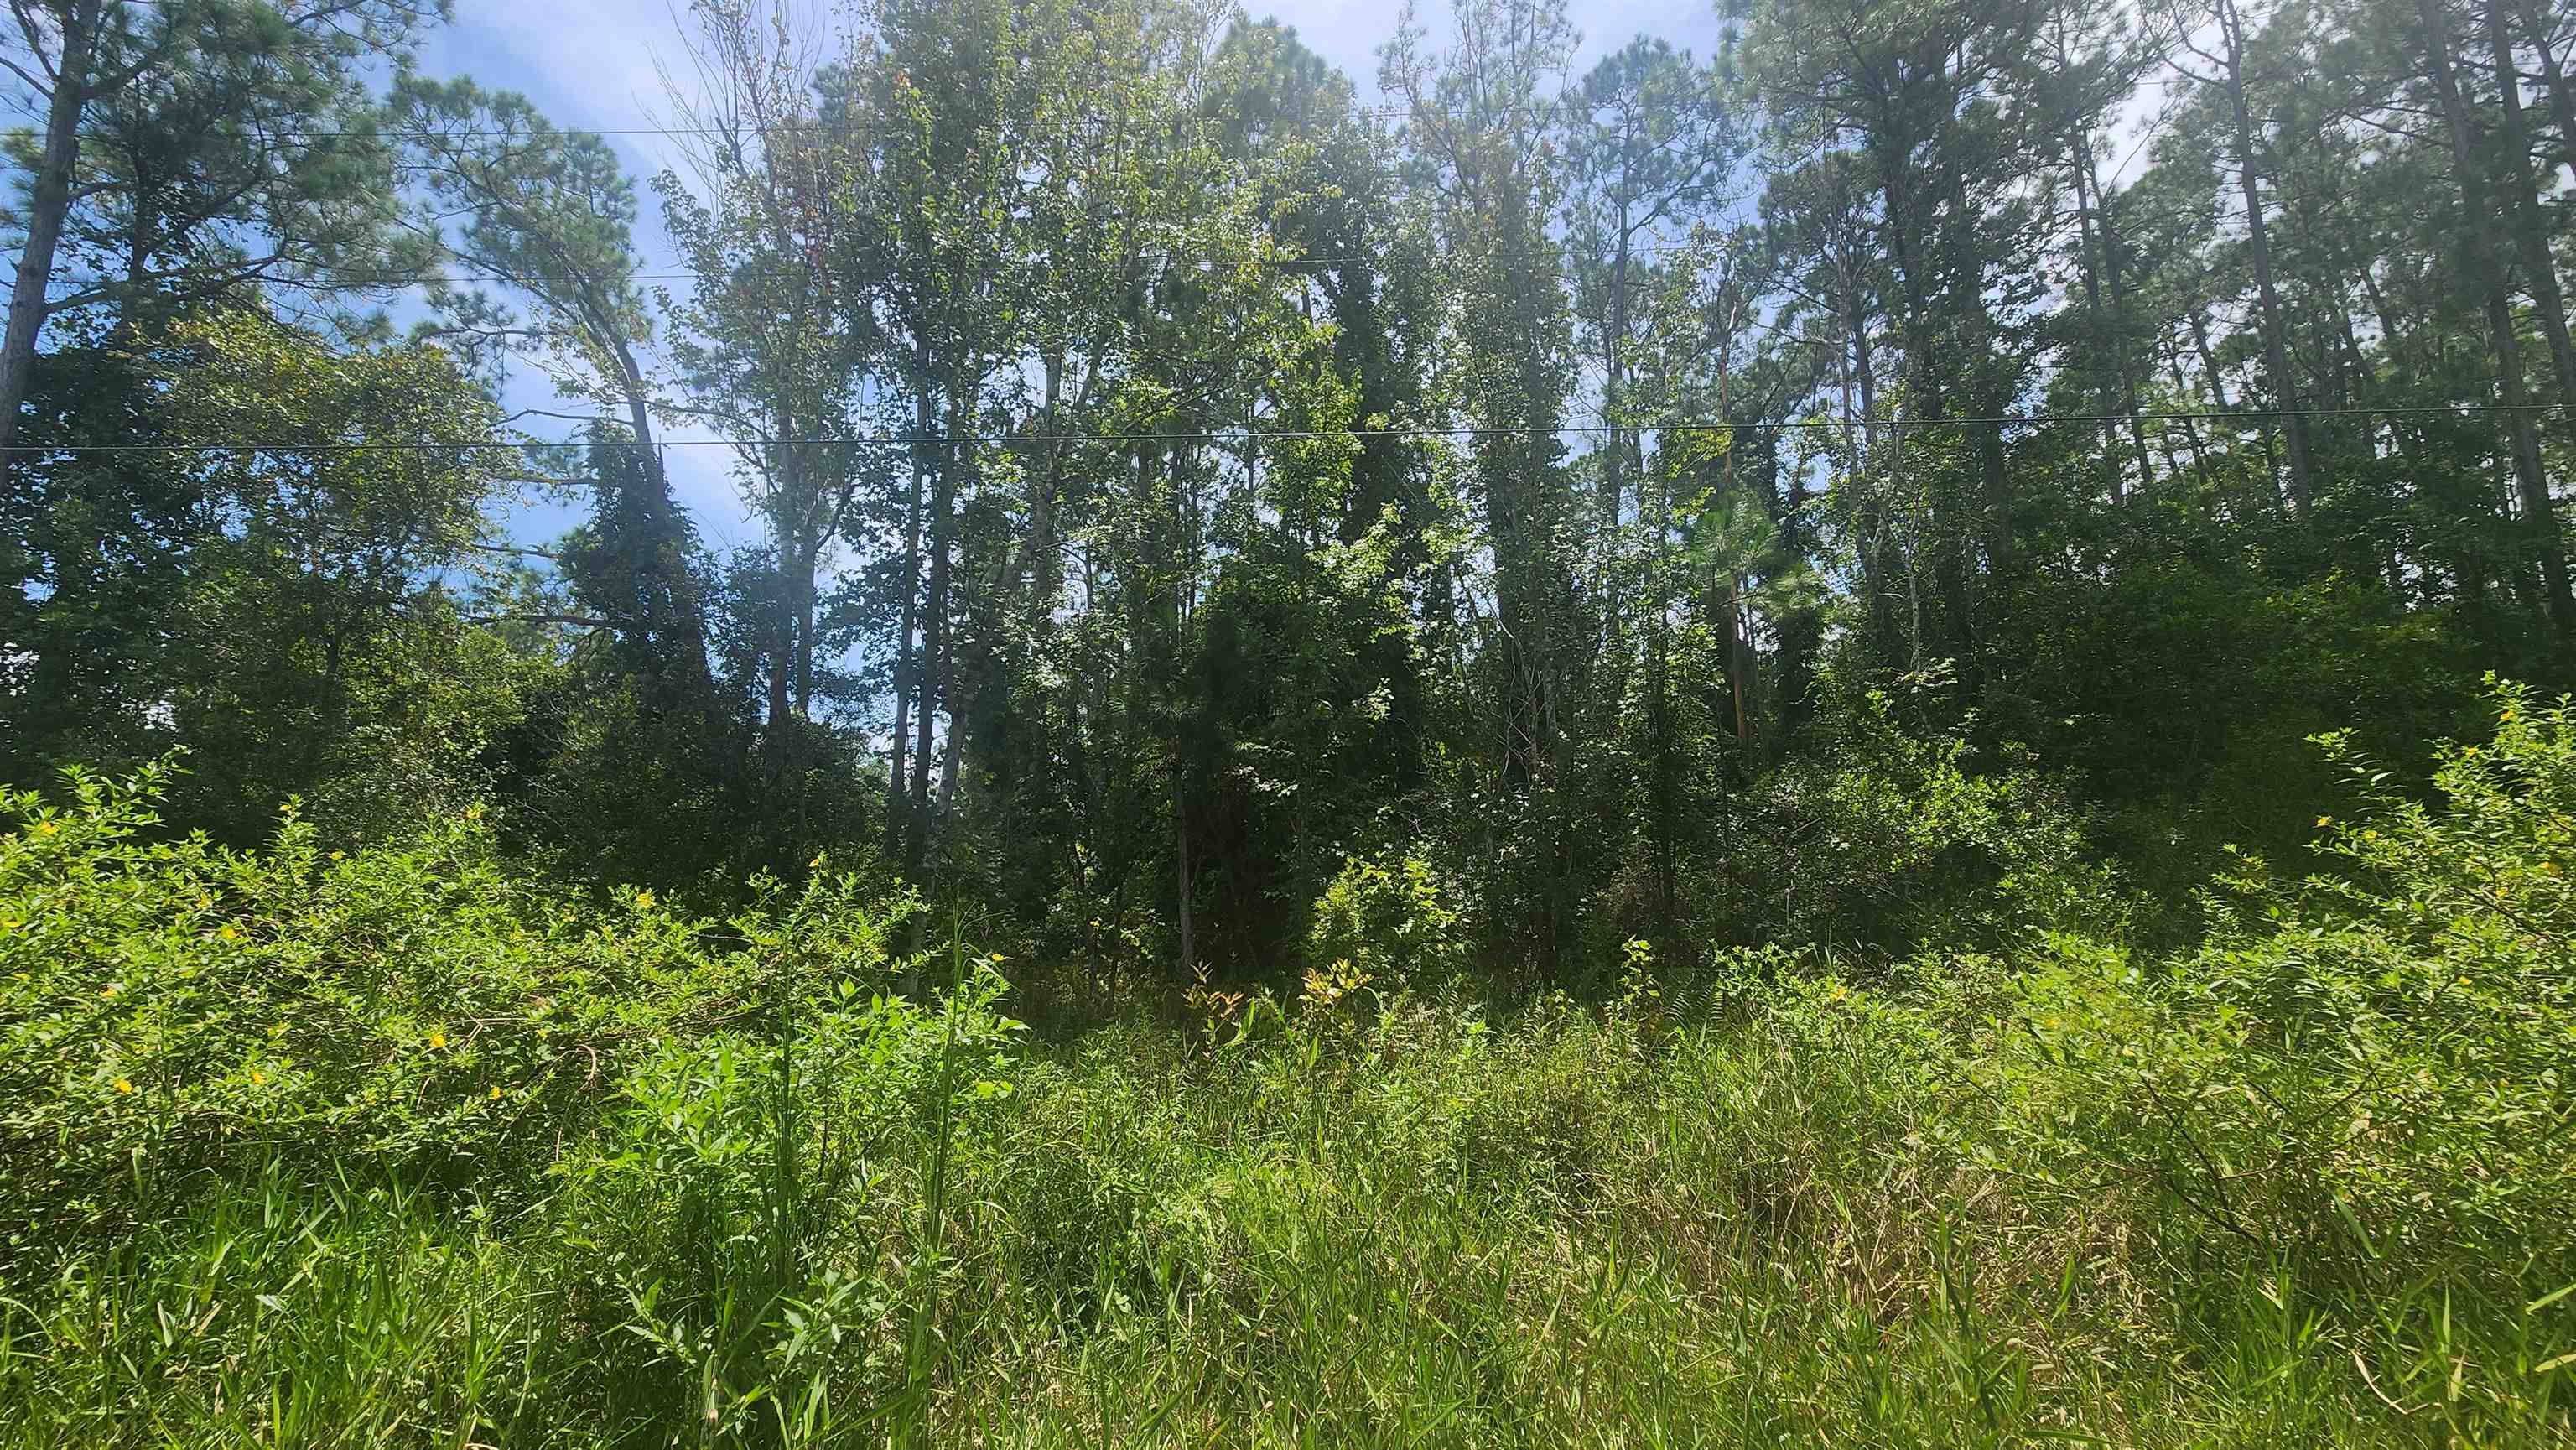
(1250, 434)
(813, 127)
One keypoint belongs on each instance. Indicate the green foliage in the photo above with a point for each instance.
(1887, 839)
(175, 1008)
(2368, 1068)
(1395, 919)
(1734, 706)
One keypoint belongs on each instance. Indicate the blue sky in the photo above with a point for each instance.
(591, 64)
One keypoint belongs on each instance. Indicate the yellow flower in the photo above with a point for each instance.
(204, 901)
(997, 959)
(496, 1092)
(46, 828)
(644, 899)
(258, 1078)
(107, 991)
(228, 932)
(438, 1039)
(2325, 821)
(125, 1085)
(339, 855)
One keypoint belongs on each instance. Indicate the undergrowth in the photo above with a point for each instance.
(390, 1149)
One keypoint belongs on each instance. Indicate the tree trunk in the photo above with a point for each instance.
(2531, 487)
(1181, 866)
(1985, 393)
(932, 668)
(2190, 427)
(1046, 580)
(49, 203)
(907, 656)
(1613, 480)
(2276, 352)
(2107, 237)
(2530, 228)
(2562, 105)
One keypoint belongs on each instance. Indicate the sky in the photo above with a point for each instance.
(594, 65)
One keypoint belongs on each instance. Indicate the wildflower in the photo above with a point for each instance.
(495, 1094)
(997, 959)
(125, 1085)
(438, 1039)
(644, 900)
(339, 855)
(107, 991)
(46, 828)
(2324, 821)
(258, 1078)
(228, 932)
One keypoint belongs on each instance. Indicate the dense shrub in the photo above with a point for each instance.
(1893, 838)
(2302, 1183)
(2371, 1070)
(170, 1008)
(1393, 919)
(2376, 1063)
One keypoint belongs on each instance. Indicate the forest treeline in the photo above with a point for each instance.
(1697, 498)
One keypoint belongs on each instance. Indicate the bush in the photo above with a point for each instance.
(1890, 841)
(171, 1009)
(1393, 920)
(2372, 1071)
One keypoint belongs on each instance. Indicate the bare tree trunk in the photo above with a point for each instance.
(2191, 428)
(1046, 580)
(49, 203)
(2276, 353)
(2530, 228)
(932, 668)
(2562, 105)
(1181, 866)
(1614, 466)
(2530, 485)
(907, 657)
(2107, 237)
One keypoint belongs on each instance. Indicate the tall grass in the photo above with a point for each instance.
(558, 1176)
(1409, 1230)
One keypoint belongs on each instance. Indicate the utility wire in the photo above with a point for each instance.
(1650, 246)
(398, 131)
(1249, 435)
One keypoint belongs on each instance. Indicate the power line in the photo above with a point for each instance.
(399, 131)
(1254, 435)
(361, 283)
(355, 280)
